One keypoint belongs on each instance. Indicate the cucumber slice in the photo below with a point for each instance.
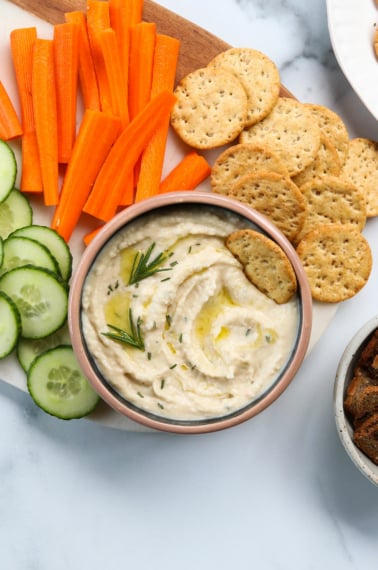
(15, 212)
(28, 349)
(41, 298)
(8, 170)
(10, 325)
(1, 252)
(20, 251)
(57, 385)
(54, 242)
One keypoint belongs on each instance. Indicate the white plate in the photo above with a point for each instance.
(10, 370)
(351, 27)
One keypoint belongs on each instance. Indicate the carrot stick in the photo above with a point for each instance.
(10, 126)
(45, 114)
(163, 77)
(113, 68)
(103, 203)
(66, 60)
(98, 19)
(87, 74)
(96, 135)
(31, 176)
(21, 42)
(142, 45)
(124, 15)
(120, 14)
(190, 171)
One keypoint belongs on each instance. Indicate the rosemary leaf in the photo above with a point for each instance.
(143, 266)
(133, 338)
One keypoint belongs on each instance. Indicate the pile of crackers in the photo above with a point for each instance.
(293, 162)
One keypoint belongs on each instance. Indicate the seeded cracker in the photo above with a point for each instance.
(361, 167)
(265, 264)
(331, 200)
(291, 131)
(210, 109)
(275, 196)
(337, 260)
(259, 76)
(239, 160)
(333, 127)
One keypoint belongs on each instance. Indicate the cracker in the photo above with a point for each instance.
(331, 200)
(291, 131)
(275, 196)
(258, 74)
(326, 162)
(337, 260)
(210, 108)
(239, 160)
(264, 263)
(332, 125)
(361, 167)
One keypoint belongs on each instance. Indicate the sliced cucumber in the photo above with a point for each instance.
(28, 349)
(57, 385)
(54, 242)
(15, 212)
(10, 325)
(41, 298)
(1, 252)
(20, 251)
(8, 170)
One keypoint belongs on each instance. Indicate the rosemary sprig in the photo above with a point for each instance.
(133, 338)
(143, 266)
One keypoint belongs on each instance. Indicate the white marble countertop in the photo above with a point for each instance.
(276, 493)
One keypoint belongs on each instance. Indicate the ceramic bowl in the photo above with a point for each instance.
(344, 375)
(103, 387)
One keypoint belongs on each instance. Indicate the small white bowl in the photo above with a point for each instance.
(344, 375)
(200, 200)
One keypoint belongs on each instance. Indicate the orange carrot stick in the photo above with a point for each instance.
(96, 135)
(115, 75)
(98, 19)
(10, 126)
(87, 74)
(163, 77)
(105, 197)
(189, 172)
(45, 114)
(31, 176)
(142, 46)
(124, 15)
(66, 60)
(21, 42)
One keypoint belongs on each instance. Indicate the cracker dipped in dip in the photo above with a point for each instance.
(173, 323)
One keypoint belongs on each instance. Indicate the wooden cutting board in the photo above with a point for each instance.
(197, 46)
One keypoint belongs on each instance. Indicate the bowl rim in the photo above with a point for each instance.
(342, 379)
(147, 206)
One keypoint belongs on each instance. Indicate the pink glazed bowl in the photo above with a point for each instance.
(103, 386)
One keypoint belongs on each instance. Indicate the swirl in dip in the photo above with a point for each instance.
(212, 343)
